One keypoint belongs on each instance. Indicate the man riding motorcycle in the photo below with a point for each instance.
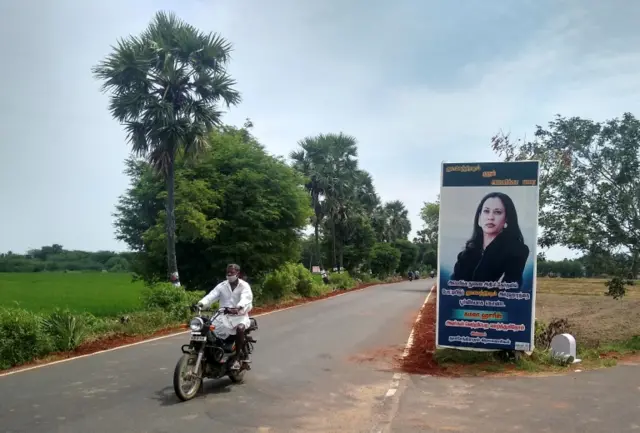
(236, 296)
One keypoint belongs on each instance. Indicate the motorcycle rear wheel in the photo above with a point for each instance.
(186, 362)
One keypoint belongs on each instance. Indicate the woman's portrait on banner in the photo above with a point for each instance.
(496, 250)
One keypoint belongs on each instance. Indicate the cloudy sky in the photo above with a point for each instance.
(417, 82)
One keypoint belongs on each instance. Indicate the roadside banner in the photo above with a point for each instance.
(488, 233)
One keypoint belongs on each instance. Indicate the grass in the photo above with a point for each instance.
(102, 294)
(467, 363)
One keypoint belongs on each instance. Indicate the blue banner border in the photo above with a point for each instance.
(497, 174)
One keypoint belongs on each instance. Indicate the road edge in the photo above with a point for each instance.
(391, 400)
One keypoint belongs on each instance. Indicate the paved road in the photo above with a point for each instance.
(603, 401)
(307, 376)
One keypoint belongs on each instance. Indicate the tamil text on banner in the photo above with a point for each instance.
(487, 255)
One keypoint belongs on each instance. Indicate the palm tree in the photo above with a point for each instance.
(365, 195)
(391, 221)
(165, 87)
(329, 164)
(399, 223)
(340, 174)
(309, 160)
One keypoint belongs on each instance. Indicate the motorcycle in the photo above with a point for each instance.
(210, 354)
(410, 277)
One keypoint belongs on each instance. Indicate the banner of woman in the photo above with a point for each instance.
(487, 255)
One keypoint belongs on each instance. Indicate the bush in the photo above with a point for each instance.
(617, 287)
(384, 259)
(365, 277)
(342, 280)
(22, 337)
(146, 322)
(174, 301)
(66, 330)
(544, 333)
(306, 285)
(408, 255)
(393, 279)
(281, 283)
(288, 280)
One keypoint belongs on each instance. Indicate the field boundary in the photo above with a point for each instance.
(150, 339)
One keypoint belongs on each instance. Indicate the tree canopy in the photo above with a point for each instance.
(56, 258)
(237, 203)
(589, 185)
(427, 237)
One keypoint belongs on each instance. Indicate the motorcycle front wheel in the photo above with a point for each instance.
(185, 384)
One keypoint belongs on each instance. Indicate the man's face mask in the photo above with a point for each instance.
(232, 278)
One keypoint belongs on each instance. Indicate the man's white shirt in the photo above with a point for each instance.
(241, 298)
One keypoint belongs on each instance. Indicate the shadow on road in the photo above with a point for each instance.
(417, 289)
(167, 396)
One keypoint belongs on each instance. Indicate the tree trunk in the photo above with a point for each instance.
(335, 257)
(635, 264)
(172, 261)
(316, 227)
(317, 236)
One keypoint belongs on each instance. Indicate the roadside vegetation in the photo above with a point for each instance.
(74, 320)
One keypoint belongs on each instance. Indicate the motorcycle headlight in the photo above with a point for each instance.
(196, 324)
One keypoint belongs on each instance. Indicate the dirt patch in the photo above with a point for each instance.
(122, 340)
(383, 358)
(419, 358)
(633, 359)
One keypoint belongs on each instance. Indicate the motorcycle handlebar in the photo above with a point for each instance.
(199, 309)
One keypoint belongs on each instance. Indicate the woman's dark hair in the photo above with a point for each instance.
(511, 218)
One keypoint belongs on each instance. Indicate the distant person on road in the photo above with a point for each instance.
(432, 273)
(234, 294)
(496, 250)
(411, 275)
